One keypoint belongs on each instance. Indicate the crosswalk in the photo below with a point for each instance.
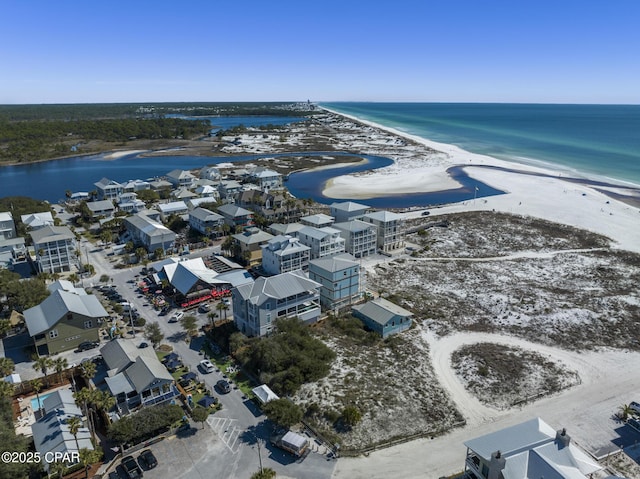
(227, 430)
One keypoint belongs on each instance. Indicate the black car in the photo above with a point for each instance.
(223, 386)
(143, 345)
(87, 345)
(131, 468)
(147, 459)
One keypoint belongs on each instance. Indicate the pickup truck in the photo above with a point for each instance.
(291, 442)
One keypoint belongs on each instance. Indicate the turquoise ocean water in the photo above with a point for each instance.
(596, 141)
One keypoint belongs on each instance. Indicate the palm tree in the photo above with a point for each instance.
(73, 277)
(60, 364)
(75, 423)
(222, 307)
(57, 469)
(212, 316)
(88, 369)
(6, 366)
(6, 389)
(625, 411)
(87, 457)
(43, 364)
(83, 398)
(36, 385)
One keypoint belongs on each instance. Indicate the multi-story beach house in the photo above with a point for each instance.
(282, 254)
(290, 229)
(108, 189)
(318, 221)
(322, 241)
(250, 242)
(531, 449)
(7, 226)
(132, 186)
(66, 318)
(178, 208)
(257, 305)
(339, 279)
(235, 216)
(129, 203)
(205, 221)
(390, 229)
(265, 178)
(148, 233)
(55, 248)
(228, 190)
(180, 178)
(360, 237)
(135, 377)
(210, 173)
(101, 208)
(347, 211)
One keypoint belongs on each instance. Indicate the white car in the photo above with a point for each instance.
(207, 366)
(176, 317)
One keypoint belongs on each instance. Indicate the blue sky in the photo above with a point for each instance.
(560, 51)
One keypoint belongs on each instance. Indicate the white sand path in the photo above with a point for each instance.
(609, 378)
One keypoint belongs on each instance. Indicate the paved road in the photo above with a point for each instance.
(227, 444)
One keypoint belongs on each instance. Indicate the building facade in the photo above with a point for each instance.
(390, 227)
(258, 305)
(383, 317)
(347, 210)
(205, 221)
(282, 254)
(339, 279)
(148, 233)
(360, 237)
(55, 248)
(322, 241)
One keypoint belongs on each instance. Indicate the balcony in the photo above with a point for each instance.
(474, 466)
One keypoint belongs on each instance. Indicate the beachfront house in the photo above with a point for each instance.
(360, 237)
(228, 190)
(66, 318)
(210, 173)
(101, 209)
(383, 317)
(51, 432)
(390, 229)
(129, 203)
(322, 241)
(55, 248)
(348, 210)
(286, 229)
(205, 221)
(339, 279)
(135, 377)
(282, 254)
(178, 208)
(132, 186)
(148, 233)
(529, 449)
(257, 305)
(265, 178)
(108, 189)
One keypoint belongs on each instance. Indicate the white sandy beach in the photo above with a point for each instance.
(114, 155)
(552, 198)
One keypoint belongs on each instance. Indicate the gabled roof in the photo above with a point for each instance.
(183, 193)
(381, 311)
(173, 206)
(279, 287)
(232, 211)
(204, 214)
(47, 234)
(286, 228)
(319, 233)
(44, 316)
(118, 354)
(184, 275)
(335, 263)
(37, 220)
(148, 226)
(101, 205)
(6, 216)
(64, 285)
(318, 220)
(253, 236)
(285, 245)
(180, 174)
(264, 394)
(106, 182)
(51, 432)
(146, 371)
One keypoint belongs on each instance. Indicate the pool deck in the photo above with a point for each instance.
(27, 415)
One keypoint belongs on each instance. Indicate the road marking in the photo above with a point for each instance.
(228, 432)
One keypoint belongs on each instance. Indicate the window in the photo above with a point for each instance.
(53, 333)
(88, 324)
(268, 317)
(69, 316)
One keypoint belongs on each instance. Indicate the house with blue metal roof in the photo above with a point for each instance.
(383, 317)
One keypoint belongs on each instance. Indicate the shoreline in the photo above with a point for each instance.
(529, 190)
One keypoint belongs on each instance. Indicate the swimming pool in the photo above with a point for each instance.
(34, 402)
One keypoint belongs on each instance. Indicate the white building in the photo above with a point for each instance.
(205, 221)
(180, 178)
(390, 229)
(360, 237)
(37, 220)
(322, 241)
(347, 210)
(55, 248)
(178, 208)
(108, 189)
(265, 178)
(318, 221)
(282, 254)
(149, 233)
(7, 226)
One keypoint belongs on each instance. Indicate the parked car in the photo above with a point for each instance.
(131, 468)
(143, 345)
(204, 308)
(206, 365)
(176, 317)
(87, 345)
(223, 386)
(147, 460)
